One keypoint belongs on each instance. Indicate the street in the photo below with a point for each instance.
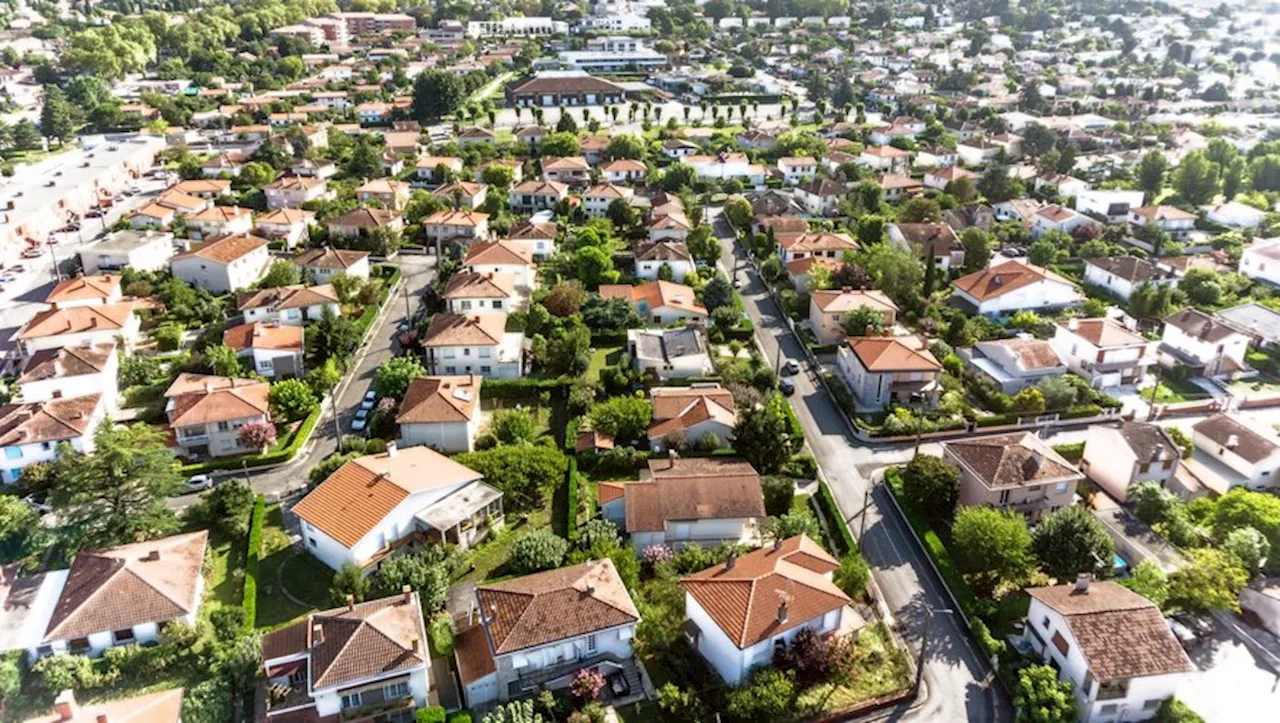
(954, 671)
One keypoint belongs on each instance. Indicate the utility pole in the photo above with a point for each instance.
(333, 404)
(408, 312)
(866, 505)
(777, 358)
(919, 399)
(1151, 405)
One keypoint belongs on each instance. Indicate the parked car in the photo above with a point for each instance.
(36, 505)
(31, 253)
(1198, 626)
(787, 386)
(791, 367)
(370, 399)
(361, 421)
(199, 482)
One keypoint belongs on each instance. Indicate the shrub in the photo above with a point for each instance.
(654, 554)
(801, 467)
(227, 507)
(990, 644)
(512, 426)
(258, 434)
(571, 499)
(430, 714)
(460, 717)
(767, 696)
(168, 336)
(348, 581)
(778, 494)
(586, 684)
(853, 575)
(250, 602)
(599, 532)
(931, 486)
(538, 550)
(292, 399)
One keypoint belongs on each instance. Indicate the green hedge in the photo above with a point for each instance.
(823, 348)
(825, 501)
(690, 381)
(571, 435)
(946, 565)
(571, 500)
(250, 601)
(995, 420)
(1081, 411)
(284, 454)
(430, 714)
(1070, 452)
(797, 431)
(460, 717)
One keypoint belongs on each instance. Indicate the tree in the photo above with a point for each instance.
(394, 375)
(595, 267)
(626, 145)
(1028, 401)
(538, 550)
(520, 711)
(762, 435)
(258, 434)
(21, 533)
(558, 145)
(931, 486)
(977, 248)
(1149, 580)
(1211, 580)
(257, 174)
(1040, 697)
(871, 229)
(225, 506)
(365, 160)
(1202, 287)
(767, 696)
(1245, 508)
(566, 123)
(994, 546)
(332, 336)
(703, 246)
(564, 299)
(807, 656)
(997, 185)
(1233, 178)
(920, 210)
(513, 426)
(1071, 541)
(1151, 170)
(1151, 501)
(1043, 252)
(1196, 179)
(427, 573)
(1037, 139)
(223, 361)
(349, 580)
(524, 475)
(897, 273)
(282, 273)
(118, 493)
(1248, 546)
(292, 399)
(677, 176)
(626, 419)
(738, 210)
(863, 321)
(436, 93)
(26, 137)
(600, 314)
(622, 214)
(717, 293)
(56, 116)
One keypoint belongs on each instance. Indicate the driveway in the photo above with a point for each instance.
(1234, 683)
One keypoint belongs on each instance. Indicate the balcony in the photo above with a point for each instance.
(372, 709)
(1112, 691)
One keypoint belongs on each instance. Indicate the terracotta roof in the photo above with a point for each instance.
(461, 329)
(607, 190)
(78, 320)
(545, 607)
(471, 652)
(589, 440)
(288, 217)
(365, 218)
(848, 300)
(530, 229)
(367, 639)
(499, 253)
(664, 251)
(163, 706)
(67, 361)
(1199, 325)
(673, 221)
(296, 296)
(220, 213)
(195, 186)
(1011, 460)
(180, 202)
(1102, 332)
(679, 408)
(226, 249)
(535, 187)
(383, 186)
(1163, 213)
(1121, 634)
(1054, 212)
(747, 599)
(624, 165)
(79, 288)
(449, 217)
(817, 242)
(1251, 446)
(897, 180)
(144, 582)
(885, 152)
(892, 353)
(352, 501)
(475, 285)
(566, 84)
(934, 238)
(330, 258)
(464, 188)
(440, 399)
(609, 491)
(1032, 354)
(53, 420)
(656, 294)
(650, 505)
(568, 163)
(697, 467)
(1002, 278)
(806, 264)
(200, 399)
(256, 335)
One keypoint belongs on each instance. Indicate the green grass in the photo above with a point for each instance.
(222, 586)
(605, 356)
(306, 577)
(488, 559)
(646, 712)
(881, 670)
(1259, 385)
(440, 635)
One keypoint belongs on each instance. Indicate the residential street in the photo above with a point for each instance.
(955, 675)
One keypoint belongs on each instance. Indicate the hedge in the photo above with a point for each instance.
(460, 717)
(250, 601)
(571, 500)
(571, 435)
(822, 349)
(430, 714)
(284, 454)
(1070, 452)
(1081, 411)
(995, 420)
(825, 501)
(797, 431)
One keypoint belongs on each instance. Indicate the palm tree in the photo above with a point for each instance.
(685, 111)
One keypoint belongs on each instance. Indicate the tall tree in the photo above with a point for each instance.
(55, 116)
(437, 93)
(993, 546)
(1196, 179)
(1042, 698)
(763, 435)
(1071, 541)
(1151, 170)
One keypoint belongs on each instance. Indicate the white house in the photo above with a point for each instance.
(820, 196)
(30, 432)
(294, 305)
(471, 291)
(597, 199)
(275, 350)
(290, 225)
(511, 258)
(1103, 351)
(679, 509)
(350, 662)
(537, 631)
(327, 262)
(668, 226)
(881, 370)
(379, 504)
(70, 371)
(474, 344)
(1112, 204)
(538, 235)
(206, 413)
(658, 302)
(1015, 285)
(794, 247)
(139, 250)
(688, 415)
(464, 226)
(1121, 275)
(1205, 344)
(1174, 221)
(797, 169)
(1249, 450)
(118, 596)
(1261, 260)
(724, 166)
(293, 191)
(1015, 363)
(742, 611)
(1057, 218)
(935, 243)
(670, 353)
(80, 325)
(1116, 458)
(1111, 643)
(441, 413)
(651, 257)
(218, 221)
(1234, 214)
(829, 308)
(227, 264)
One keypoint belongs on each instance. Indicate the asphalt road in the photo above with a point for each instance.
(955, 675)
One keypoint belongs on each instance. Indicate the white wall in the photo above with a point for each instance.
(441, 436)
(15, 458)
(104, 383)
(1042, 294)
(1260, 475)
(1234, 347)
(329, 700)
(733, 663)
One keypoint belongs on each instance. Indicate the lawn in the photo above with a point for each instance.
(305, 577)
(487, 561)
(225, 582)
(605, 356)
(1257, 385)
(1176, 390)
(882, 670)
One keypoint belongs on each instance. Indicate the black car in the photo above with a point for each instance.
(787, 386)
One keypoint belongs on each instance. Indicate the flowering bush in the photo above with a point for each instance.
(259, 435)
(653, 554)
(586, 684)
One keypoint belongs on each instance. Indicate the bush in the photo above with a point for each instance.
(227, 507)
(801, 466)
(571, 499)
(430, 714)
(168, 336)
(599, 532)
(460, 717)
(250, 602)
(931, 486)
(292, 399)
(778, 494)
(990, 644)
(766, 696)
(538, 550)
(853, 575)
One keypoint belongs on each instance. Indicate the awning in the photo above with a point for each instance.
(448, 512)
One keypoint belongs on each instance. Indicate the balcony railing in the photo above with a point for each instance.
(374, 708)
(1111, 692)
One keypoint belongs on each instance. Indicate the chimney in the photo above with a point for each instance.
(65, 705)
(1073, 324)
(1082, 582)
(782, 611)
(414, 644)
(152, 556)
(391, 449)
(1233, 441)
(208, 387)
(408, 594)
(317, 635)
(777, 543)
(731, 560)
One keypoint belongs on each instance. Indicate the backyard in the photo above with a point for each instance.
(306, 578)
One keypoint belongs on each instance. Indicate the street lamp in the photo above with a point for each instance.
(917, 399)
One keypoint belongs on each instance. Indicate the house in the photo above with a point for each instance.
(977, 152)
(800, 271)
(289, 225)
(534, 195)
(1261, 323)
(673, 226)
(475, 135)
(1206, 345)
(140, 250)
(275, 349)
(290, 305)
(536, 234)
(1060, 184)
(564, 88)
(1117, 457)
(464, 194)
(79, 325)
(897, 186)
(797, 169)
(1022, 210)
(940, 178)
(678, 148)
(885, 158)
(1057, 218)
(739, 613)
(118, 596)
(509, 258)
(935, 243)
(206, 413)
(572, 171)
(624, 170)
(1261, 260)
(1111, 643)
(1171, 220)
(1122, 275)
(1248, 450)
(364, 221)
(882, 370)
(468, 291)
(380, 504)
(670, 353)
(350, 663)
(651, 257)
(386, 192)
(30, 432)
(293, 191)
(224, 164)
(80, 290)
(163, 706)
(430, 167)
(1103, 351)
(1234, 214)
(1016, 471)
(820, 196)
(465, 227)
(758, 140)
(687, 415)
(326, 262)
(1014, 364)
(537, 631)
(818, 244)
(226, 264)
(441, 413)
(217, 221)
(474, 344)
(1015, 285)
(70, 371)
(659, 302)
(721, 504)
(828, 309)
(597, 199)
(206, 188)
(317, 168)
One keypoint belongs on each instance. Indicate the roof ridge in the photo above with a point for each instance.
(119, 565)
(345, 644)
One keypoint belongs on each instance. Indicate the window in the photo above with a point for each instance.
(124, 635)
(228, 444)
(497, 303)
(351, 700)
(398, 689)
(1060, 488)
(1004, 497)
(1152, 704)
(591, 643)
(450, 353)
(265, 365)
(1108, 709)
(466, 351)
(465, 305)
(451, 370)
(485, 369)
(13, 453)
(1144, 468)
(1045, 623)
(224, 426)
(46, 446)
(485, 352)
(311, 541)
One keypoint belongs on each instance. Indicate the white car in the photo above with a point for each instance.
(362, 419)
(370, 399)
(199, 482)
